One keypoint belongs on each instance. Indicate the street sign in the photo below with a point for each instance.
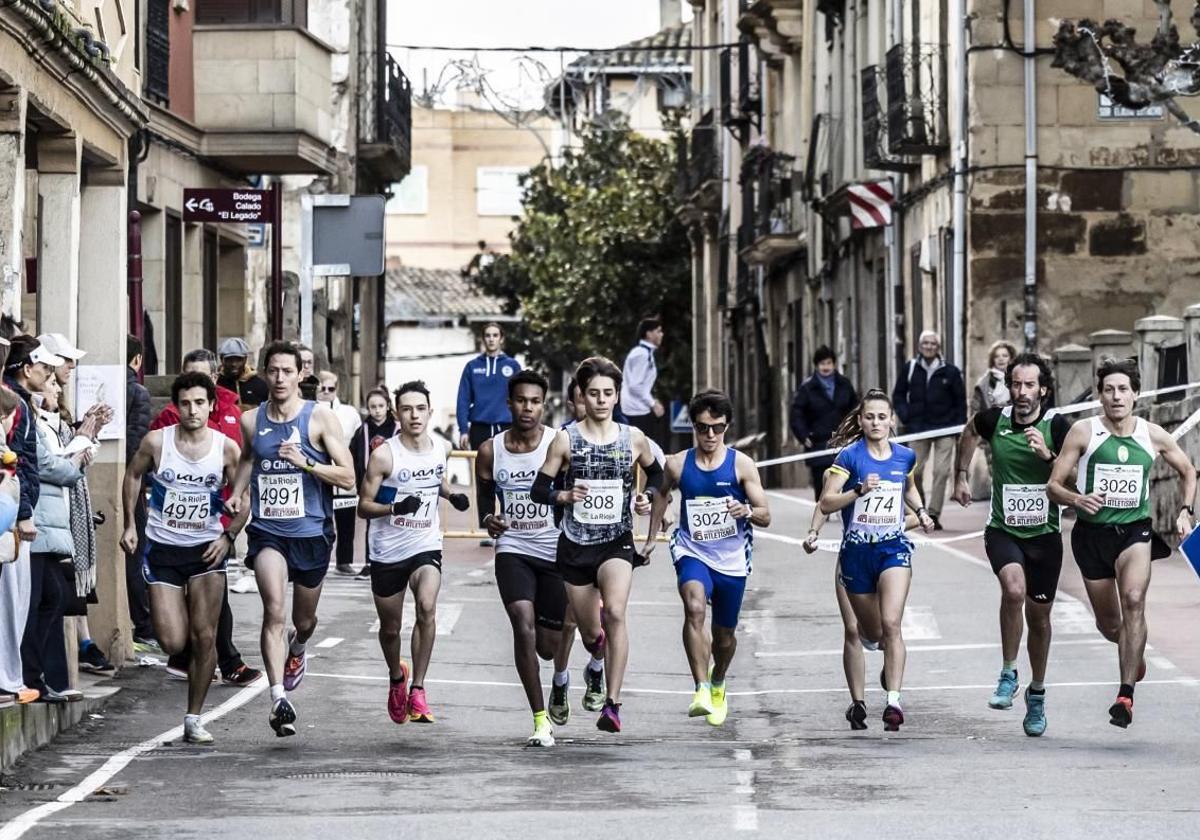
(226, 205)
(680, 422)
(347, 235)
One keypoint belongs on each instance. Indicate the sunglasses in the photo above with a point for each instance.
(328, 389)
(717, 429)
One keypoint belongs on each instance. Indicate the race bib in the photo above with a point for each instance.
(422, 519)
(602, 506)
(1025, 505)
(883, 507)
(344, 502)
(186, 511)
(522, 514)
(1121, 485)
(709, 519)
(281, 496)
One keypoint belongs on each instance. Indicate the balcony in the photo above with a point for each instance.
(263, 97)
(741, 102)
(774, 25)
(876, 154)
(385, 142)
(768, 189)
(916, 99)
(699, 187)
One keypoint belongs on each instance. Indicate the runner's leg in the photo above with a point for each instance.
(169, 616)
(696, 642)
(1037, 616)
(304, 610)
(1133, 579)
(204, 597)
(893, 593)
(1012, 600)
(390, 612)
(615, 578)
(584, 603)
(424, 583)
(566, 641)
(270, 573)
(1106, 606)
(525, 651)
(854, 663)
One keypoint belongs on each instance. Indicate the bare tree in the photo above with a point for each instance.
(1109, 57)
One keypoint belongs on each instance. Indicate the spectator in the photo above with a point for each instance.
(990, 391)
(482, 410)
(226, 419)
(930, 394)
(374, 432)
(344, 501)
(14, 575)
(137, 424)
(576, 410)
(818, 406)
(20, 367)
(238, 376)
(637, 388)
(309, 383)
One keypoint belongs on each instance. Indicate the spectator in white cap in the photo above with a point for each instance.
(237, 374)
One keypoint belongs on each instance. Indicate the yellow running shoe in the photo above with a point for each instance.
(720, 706)
(543, 732)
(702, 702)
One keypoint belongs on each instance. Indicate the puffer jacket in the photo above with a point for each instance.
(58, 473)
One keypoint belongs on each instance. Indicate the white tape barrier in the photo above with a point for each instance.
(1074, 408)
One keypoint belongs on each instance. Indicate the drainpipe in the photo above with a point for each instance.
(1031, 165)
(958, 23)
(891, 237)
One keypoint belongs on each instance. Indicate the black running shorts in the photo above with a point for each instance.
(580, 564)
(1097, 547)
(1041, 558)
(388, 579)
(523, 578)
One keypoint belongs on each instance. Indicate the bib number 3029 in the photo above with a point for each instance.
(602, 505)
(281, 496)
(1025, 505)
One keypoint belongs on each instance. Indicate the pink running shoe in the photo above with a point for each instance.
(418, 708)
(610, 718)
(397, 702)
(294, 667)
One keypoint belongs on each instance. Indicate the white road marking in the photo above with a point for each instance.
(775, 654)
(448, 615)
(919, 624)
(332, 641)
(20, 824)
(1070, 617)
(1160, 662)
(745, 812)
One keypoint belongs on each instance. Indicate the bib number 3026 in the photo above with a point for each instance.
(602, 505)
(281, 496)
(1025, 505)
(1121, 485)
(709, 519)
(881, 508)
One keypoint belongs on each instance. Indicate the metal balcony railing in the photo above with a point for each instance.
(876, 146)
(916, 99)
(394, 110)
(768, 178)
(703, 164)
(741, 102)
(158, 51)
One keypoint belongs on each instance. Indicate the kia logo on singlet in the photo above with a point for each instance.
(212, 481)
(433, 472)
(517, 477)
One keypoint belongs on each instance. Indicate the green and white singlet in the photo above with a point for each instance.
(1020, 505)
(1118, 467)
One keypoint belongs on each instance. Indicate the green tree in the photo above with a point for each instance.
(597, 248)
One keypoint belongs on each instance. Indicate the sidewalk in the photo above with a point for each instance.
(28, 727)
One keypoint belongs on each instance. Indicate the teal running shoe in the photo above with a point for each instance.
(1006, 690)
(1035, 714)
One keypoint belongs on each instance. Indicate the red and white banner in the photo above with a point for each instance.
(871, 204)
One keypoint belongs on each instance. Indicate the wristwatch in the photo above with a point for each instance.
(860, 490)
(1191, 511)
(309, 464)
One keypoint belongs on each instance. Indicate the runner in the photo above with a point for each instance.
(186, 544)
(530, 584)
(722, 499)
(1113, 535)
(595, 551)
(405, 477)
(1022, 538)
(292, 456)
(875, 561)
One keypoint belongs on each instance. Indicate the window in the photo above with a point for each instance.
(410, 197)
(252, 11)
(498, 190)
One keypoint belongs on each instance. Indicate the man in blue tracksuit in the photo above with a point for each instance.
(483, 391)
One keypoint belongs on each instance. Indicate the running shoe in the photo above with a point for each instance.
(344, 569)
(593, 692)
(702, 701)
(364, 573)
(294, 667)
(92, 659)
(543, 734)
(397, 703)
(418, 707)
(1006, 689)
(1035, 714)
(720, 706)
(174, 672)
(856, 715)
(1121, 713)
(487, 542)
(893, 716)
(242, 675)
(195, 733)
(867, 643)
(560, 705)
(144, 645)
(283, 717)
(610, 717)
(26, 695)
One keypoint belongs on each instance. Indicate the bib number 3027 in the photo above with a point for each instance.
(1025, 505)
(602, 505)
(709, 519)
(881, 508)
(1121, 485)
(281, 496)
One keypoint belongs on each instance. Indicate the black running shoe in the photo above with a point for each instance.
(283, 718)
(364, 573)
(92, 659)
(856, 715)
(242, 675)
(1121, 713)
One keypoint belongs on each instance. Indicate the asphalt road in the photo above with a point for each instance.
(785, 764)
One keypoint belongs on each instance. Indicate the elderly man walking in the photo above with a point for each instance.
(930, 394)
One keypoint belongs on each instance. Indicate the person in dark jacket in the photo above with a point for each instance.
(21, 368)
(818, 406)
(137, 426)
(930, 394)
(374, 432)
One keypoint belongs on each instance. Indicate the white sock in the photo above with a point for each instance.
(277, 692)
(296, 648)
(191, 720)
(562, 678)
(893, 698)
(595, 664)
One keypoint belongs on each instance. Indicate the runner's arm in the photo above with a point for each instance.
(1064, 465)
(131, 487)
(459, 501)
(968, 442)
(485, 485)
(833, 497)
(378, 465)
(241, 481)
(233, 455)
(543, 491)
(658, 506)
(1171, 452)
(912, 497)
(329, 429)
(747, 474)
